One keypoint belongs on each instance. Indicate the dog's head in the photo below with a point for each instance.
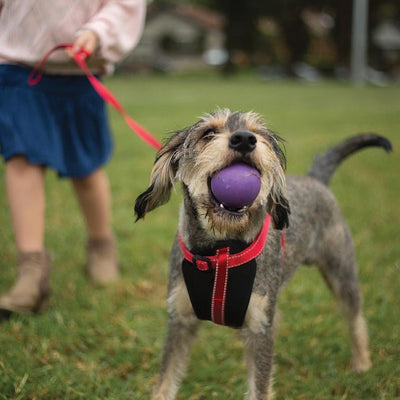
(191, 156)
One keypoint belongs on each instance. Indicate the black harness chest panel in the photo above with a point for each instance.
(220, 294)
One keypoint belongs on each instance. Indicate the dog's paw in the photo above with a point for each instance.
(361, 364)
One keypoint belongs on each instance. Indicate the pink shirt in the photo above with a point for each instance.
(30, 28)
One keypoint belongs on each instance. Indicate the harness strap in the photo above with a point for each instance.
(210, 262)
(218, 300)
(283, 245)
(103, 92)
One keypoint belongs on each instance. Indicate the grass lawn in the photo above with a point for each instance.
(106, 343)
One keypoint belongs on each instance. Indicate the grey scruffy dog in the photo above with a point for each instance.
(301, 206)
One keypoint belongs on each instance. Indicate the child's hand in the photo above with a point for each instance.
(87, 40)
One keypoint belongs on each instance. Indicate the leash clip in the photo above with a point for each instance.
(198, 261)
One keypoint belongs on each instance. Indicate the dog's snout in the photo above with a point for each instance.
(243, 141)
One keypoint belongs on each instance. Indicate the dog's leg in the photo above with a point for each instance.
(339, 270)
(182, 330)
(258, 335)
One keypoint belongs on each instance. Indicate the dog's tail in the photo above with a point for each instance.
(325, 165)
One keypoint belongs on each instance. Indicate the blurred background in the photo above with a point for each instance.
(294, 62)
(305, 39)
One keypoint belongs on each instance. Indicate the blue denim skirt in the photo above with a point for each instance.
(60, 123)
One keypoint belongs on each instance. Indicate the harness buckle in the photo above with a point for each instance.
(200, 267)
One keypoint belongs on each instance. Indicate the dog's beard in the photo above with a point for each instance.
(224, 223)
(217, 220)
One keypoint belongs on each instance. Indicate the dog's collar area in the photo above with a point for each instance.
(207, 263)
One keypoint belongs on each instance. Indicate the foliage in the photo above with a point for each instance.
(106, 343)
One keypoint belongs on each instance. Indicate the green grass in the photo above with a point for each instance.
(106, 343)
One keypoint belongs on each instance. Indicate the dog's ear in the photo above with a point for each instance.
(162, 176)
(279, 212)
(278, 204)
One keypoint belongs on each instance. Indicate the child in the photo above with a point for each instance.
(61, 124)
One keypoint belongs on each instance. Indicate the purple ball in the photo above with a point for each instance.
(236, 186)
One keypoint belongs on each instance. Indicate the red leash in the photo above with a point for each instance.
(79, 57)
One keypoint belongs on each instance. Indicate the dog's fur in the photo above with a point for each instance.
(315, 234)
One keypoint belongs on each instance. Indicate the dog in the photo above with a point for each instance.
(296, 217)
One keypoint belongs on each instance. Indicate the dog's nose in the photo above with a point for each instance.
(243, 141)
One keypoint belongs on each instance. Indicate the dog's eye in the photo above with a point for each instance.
(209, 133)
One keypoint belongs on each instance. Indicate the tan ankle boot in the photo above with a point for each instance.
(102, 261)
(31, 288)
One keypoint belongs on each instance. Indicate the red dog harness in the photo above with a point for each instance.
(220, 285)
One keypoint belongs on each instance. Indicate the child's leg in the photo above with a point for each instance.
(26, 198)
(94, 197)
